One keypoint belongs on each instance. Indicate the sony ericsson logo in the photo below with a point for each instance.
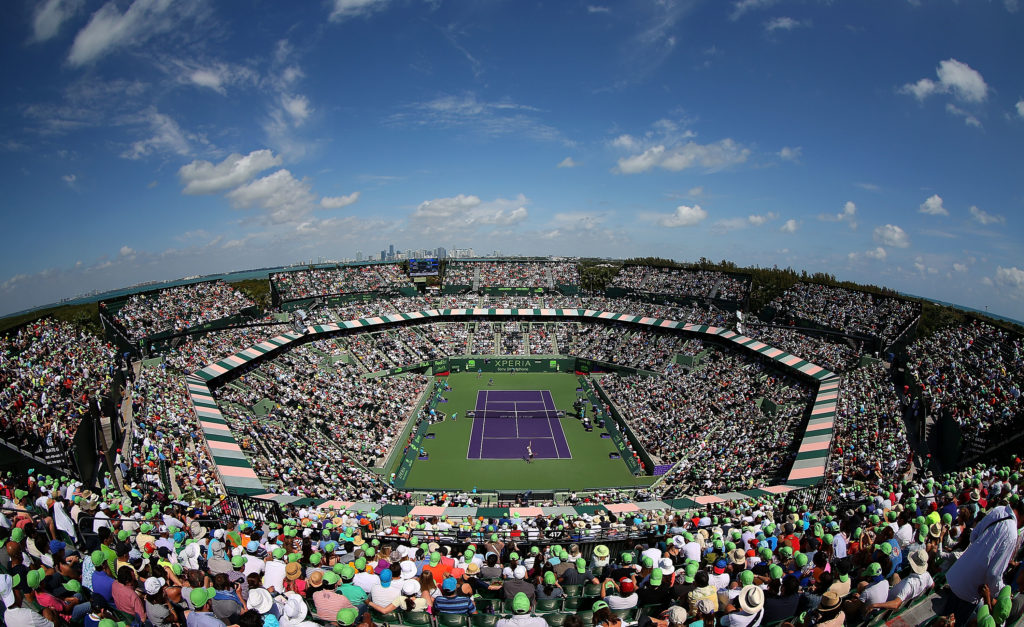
(511, 363)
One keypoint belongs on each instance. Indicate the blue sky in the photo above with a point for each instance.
(877, 140)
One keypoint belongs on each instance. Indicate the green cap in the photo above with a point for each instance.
(176, 569)
(331, 578)
(884, 547)
(691, 571)
(17, 534)
(347, 616)
(97, 558)
(35, 577)
(294, 557)
(494, 537)
(874, 569)
(549, 578)
(123, 535)
(435, 558)
(627, 558)
(656, 577)
(338, 568)
(201, 596)
(581, 565)
(315, 558)
(370, 552)
(775, 571)
(360, 564)
(512, 556)
(646, 561)
(278, 553)
(330, 546)
(600, 605)
(521, 603)
(800, 559)
(238, 561)
(73, 585)
(347, 572)
(746, 577)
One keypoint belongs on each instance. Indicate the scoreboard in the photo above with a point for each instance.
(423, 267)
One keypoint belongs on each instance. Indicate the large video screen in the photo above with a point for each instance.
(423, 267)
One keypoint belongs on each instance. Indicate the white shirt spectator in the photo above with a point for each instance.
(911, 588)
(993, 543)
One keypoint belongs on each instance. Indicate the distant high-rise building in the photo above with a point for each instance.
(359, 255)
(383, 255)
(391, 251)
(440, 252)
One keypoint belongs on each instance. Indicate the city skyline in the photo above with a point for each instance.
(144, 140)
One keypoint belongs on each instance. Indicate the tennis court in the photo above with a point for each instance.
(508, 423)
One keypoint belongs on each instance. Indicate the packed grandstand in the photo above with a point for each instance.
(823, 461)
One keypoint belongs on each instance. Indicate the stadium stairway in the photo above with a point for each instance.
(550, 279)
(714, 290)
(476, 279)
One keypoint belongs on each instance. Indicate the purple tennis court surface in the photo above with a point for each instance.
(508, 421)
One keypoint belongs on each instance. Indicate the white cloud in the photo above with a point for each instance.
(346, 9)
(955, 77)
(297, 107)
(567, 163)
(109, 29)
(782, 23)
(1012, 277)
(285, 198)
(693, 192)
(51, 15)
(203, 177)
(758, 220)
(959, 267)
(712, 157)
(848, 215)
(218, 76)
(598, 9)
(891, 235)
(682, 216)
(69, 179)
(741, 7)
(207, 78)
(337, 202)
(933, 206)
(466, 214)
(969, 118)
(126, 251)
(488, 118)
(166, 136)
(877, 253)
(985, 218)
(871, 187)
(733, 224)
(790, 153)
(1020, 108)
(789, 226)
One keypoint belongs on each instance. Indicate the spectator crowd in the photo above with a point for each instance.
(180, 308)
